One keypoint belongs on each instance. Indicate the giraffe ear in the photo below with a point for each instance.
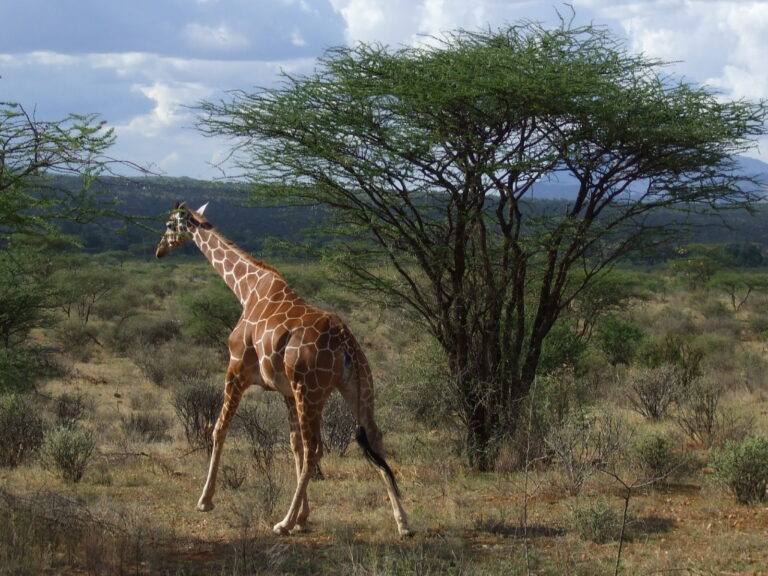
(182, 206)
(202, 208)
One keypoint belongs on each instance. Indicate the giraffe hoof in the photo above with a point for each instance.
(280, 530)
(205, 506)
(405, 533)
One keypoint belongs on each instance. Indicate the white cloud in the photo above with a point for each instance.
(297, 39)
(364, 18)
(140, 77)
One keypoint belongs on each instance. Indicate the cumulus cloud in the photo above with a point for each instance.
(146, 62)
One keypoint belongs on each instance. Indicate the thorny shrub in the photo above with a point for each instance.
(21, 429)
(743, 468)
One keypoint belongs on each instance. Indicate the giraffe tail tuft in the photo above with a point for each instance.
(377, 459)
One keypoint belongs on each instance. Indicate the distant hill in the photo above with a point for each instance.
(264, 231)
(148, 202)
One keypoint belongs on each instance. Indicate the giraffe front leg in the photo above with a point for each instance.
(233, 392)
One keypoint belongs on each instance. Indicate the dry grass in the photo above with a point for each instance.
(134, 511)
(466, 523)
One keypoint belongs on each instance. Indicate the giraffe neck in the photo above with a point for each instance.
(243, 274)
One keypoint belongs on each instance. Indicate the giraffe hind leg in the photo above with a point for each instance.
(297, 447)
(374, 456)
(311, 452)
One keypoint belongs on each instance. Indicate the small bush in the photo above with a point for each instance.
(210, 314)
(197, 406)
(76, 339)
(698, 413)
(21, 429)
(143, 330)
(70, 409)
(651, 391)
(596, 521)
(618, 339)
(146, 427)
(657, 457)
(338, 425)
(233, 475)
(674, 349)
(554, 399)
(582, 445)
(743, 468)
(266, 430)
(67, 451)
(175, 361)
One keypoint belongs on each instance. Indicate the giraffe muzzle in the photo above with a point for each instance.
(162, 249)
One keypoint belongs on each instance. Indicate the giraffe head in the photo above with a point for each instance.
(178, 228)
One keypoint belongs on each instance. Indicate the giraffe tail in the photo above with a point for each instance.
(376, 459)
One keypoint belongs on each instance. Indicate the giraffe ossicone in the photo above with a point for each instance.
(283, 344)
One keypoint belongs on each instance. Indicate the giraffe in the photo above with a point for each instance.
(283, 344)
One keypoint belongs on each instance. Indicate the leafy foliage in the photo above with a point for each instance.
(67, 450)
(30, 208)
(596, 521)
(211, 313)
(619, 339)
(743, 466)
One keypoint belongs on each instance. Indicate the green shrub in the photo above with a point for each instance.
(67, 451)
(563, 346)
(210, 314)
(14, 369)
(596, 521)
(743, 468)
(618, 339)
(657, 457)
(21, 429)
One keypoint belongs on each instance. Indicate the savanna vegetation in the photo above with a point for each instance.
(645, 441)
(561, 392)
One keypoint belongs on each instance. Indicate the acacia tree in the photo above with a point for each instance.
(429, 156)
(31, 152)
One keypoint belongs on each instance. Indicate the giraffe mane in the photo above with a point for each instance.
(203, 222)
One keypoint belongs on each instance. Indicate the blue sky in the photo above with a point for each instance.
(141, 64)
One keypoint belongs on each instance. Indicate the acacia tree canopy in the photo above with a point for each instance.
(428, 157)
(31, 151)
